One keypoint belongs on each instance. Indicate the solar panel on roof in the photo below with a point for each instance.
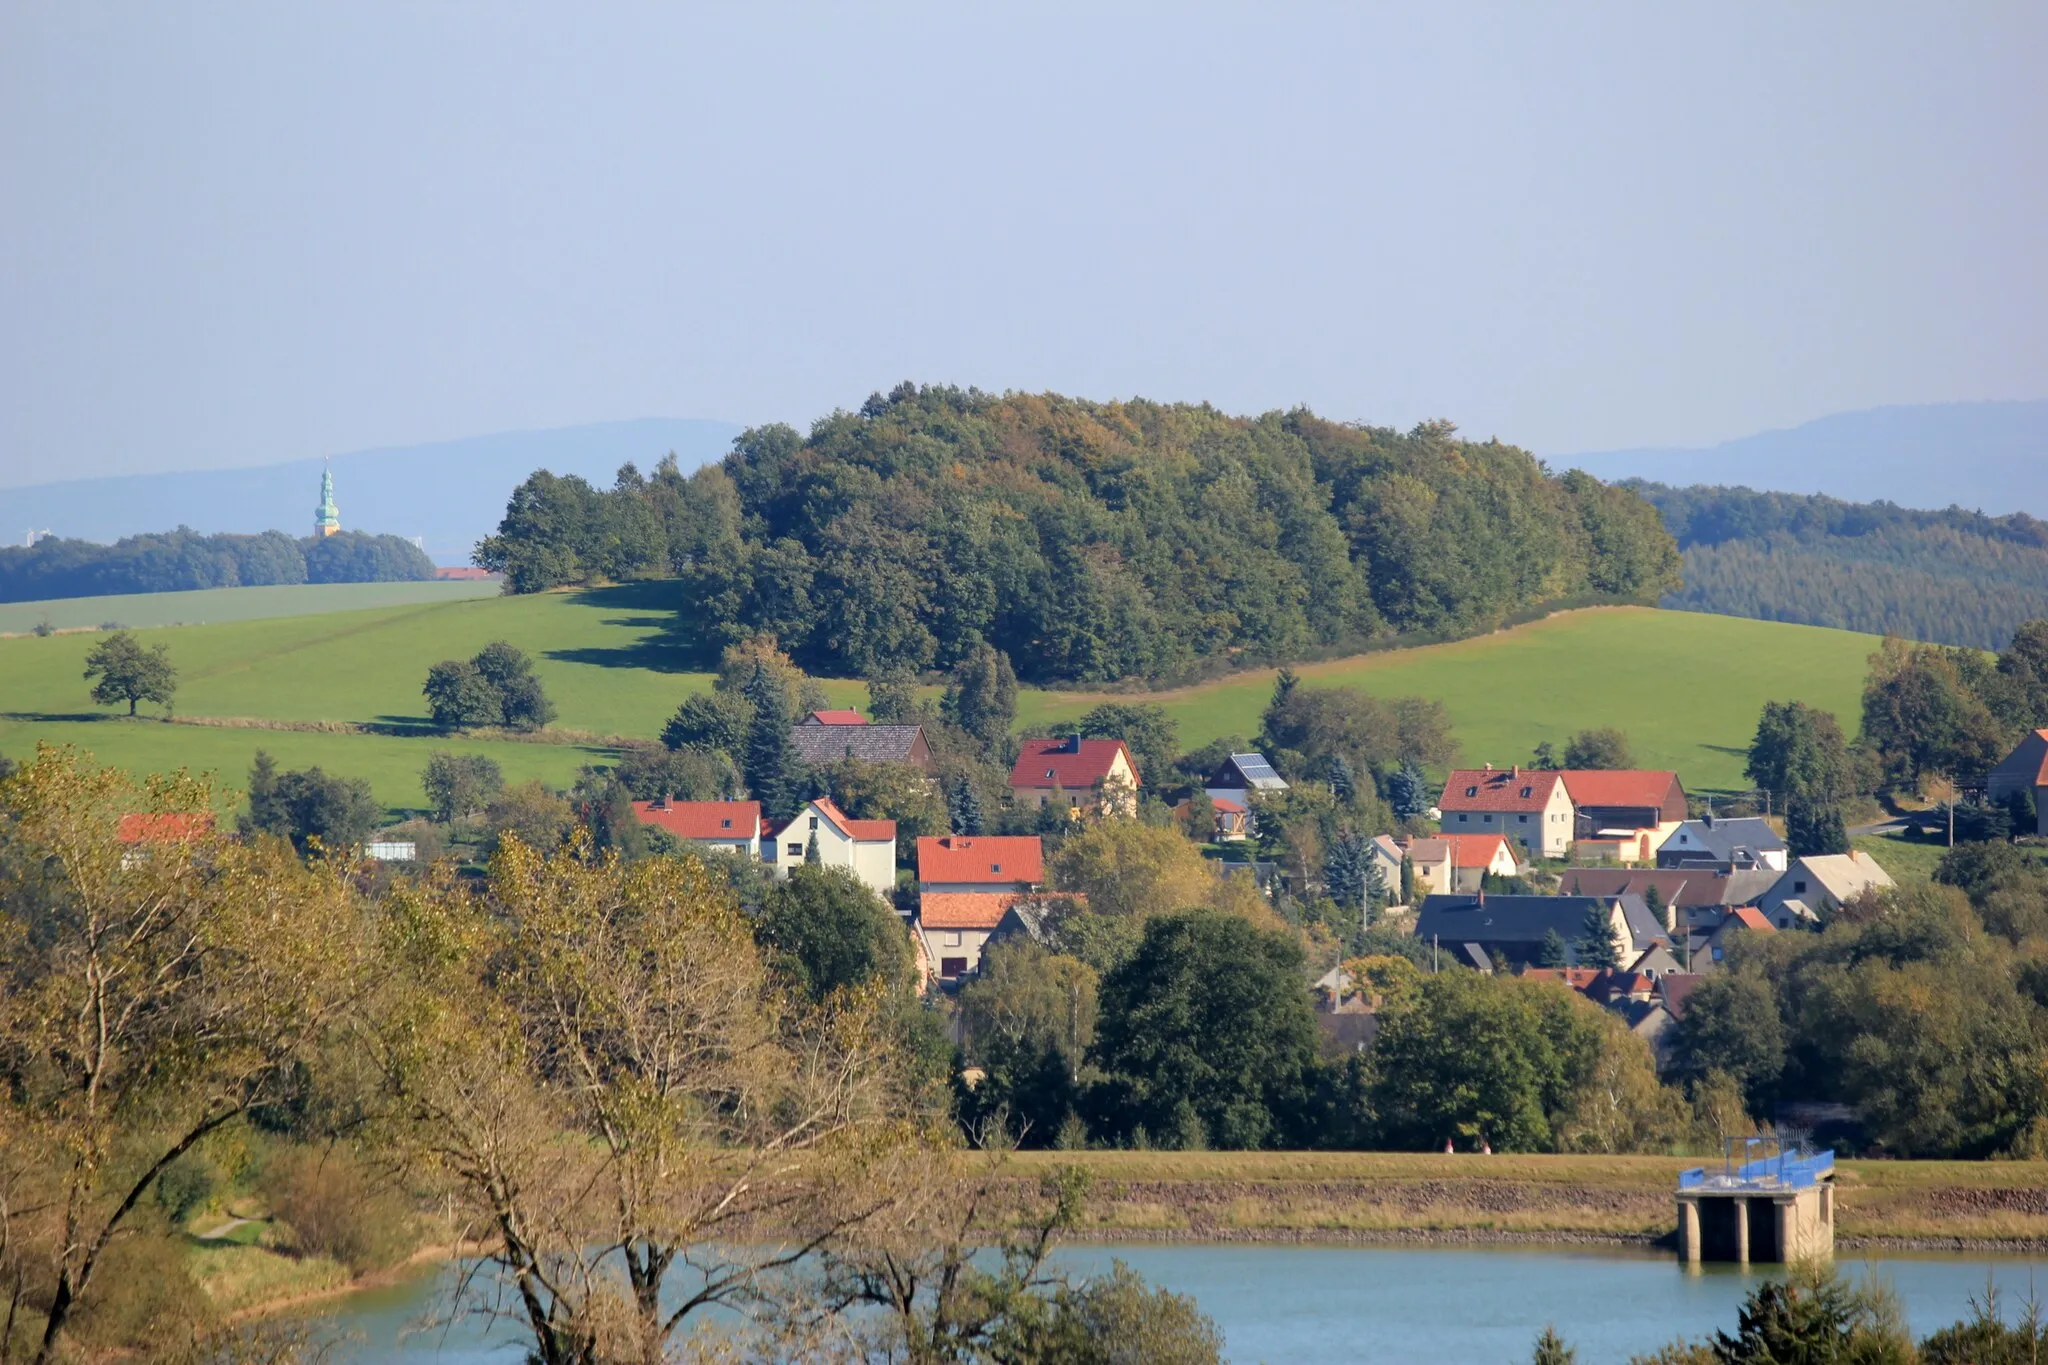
(1254, 766)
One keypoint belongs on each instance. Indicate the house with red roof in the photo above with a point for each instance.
(1461, 862)
(2025, 770)
(1075, 772)
(1530, 806)
(846, 717)
(979, 863)
(866, 848)
(1633, 810)
(1746, 919)
(718, 826)
(140, 831)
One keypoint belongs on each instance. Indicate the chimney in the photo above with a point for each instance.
(666, 797)
(1709, 818)
(1074, 744)
(1516, 771)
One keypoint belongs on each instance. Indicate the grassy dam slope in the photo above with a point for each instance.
(1686, 687)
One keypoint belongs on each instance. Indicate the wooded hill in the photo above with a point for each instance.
(1952, 577)
(1090, 541)
(183, 560)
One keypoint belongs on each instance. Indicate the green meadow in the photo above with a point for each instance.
(229, 604)
(1686, 687)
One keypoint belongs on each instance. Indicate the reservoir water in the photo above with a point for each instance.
(1386, 1306)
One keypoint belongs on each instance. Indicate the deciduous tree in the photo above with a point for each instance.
(128, 672)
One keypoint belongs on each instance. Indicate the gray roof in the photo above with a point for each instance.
(1742, 842)
(1525, 919)
(823, 744)
(1257, 773)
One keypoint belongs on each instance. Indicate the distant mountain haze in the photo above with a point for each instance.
(1989, 457)
(449, 493)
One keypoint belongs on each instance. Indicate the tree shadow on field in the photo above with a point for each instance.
(52, 716)
(664, 648)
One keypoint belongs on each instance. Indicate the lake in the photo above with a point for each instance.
(1385, 1305)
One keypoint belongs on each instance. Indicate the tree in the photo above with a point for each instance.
(1604, 747)
(1552, 1350)
(710, 722)
(1145, 729)
(1343, 782)
(1922, 715)
(1732, 1026)
(128, 672)
(1028, 1017)
(509, 673)
(1207, 1032)
(459, 785)
(1555, 952)
(965, 809)
(1799, 754)
(461, 698)
(312, 805)
(1344, 867)
(774, 770)
(1545, 758)
(597, 1060)
(535, 816)
(981, 695)
(1408, 792)
(1476, 1057)
(1127, 868)
(152, 1002)
(1653, 901)
(1595, 944)
(264, 814)
(829, 932)
(1814, 827)
(1407, 880)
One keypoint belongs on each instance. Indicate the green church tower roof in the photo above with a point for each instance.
(327, 518)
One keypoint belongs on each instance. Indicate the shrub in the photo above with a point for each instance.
(333, 1208)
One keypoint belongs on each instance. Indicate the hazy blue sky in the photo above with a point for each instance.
(247, 233)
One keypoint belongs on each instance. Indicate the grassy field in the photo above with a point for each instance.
(1686, 687)
(230, 604)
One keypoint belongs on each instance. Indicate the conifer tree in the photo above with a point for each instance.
(773, 769)
(1344, 869)
(1815, 827)
(1407, 792)
(1555, 952)
(1595, 944)
(1343, 782)
(966, 809)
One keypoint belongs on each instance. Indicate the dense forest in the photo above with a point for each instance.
(176, 561)
(1955, 577)
(1089, 541)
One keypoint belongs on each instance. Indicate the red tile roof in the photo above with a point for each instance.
(965, 909)
(164, 828)
(999, 861)
(1224, 803)
(2041, 778)
(1578, 978)
(836, 718)
(1476, 850)
(1048, 763)
(1749, 917)
(1498, 789)
(1625, 787)
(875, 831)
(703, 819)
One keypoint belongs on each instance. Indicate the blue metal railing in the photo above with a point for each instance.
(1778, 1170)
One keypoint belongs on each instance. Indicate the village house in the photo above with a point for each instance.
(1385, 852)
(1240, 777)
(2025, 769)
(1693, 898)
(140, 831)
(827, 737)
(1820, 885)
(1476, 929)
(1076, 773)
(1742, 920)
(866, 848)
(715, 826)
(1744, 844)
(1624, 814)
(1531, 807)
(1459, 862)
(967, 885)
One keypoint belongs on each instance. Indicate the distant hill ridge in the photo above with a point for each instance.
(450, 494)
(1991, 456)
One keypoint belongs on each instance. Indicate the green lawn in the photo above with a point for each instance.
(1685, 686)
(229, 604)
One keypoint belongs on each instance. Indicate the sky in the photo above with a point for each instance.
(240, 234)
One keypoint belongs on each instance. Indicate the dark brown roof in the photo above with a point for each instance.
(824, 744)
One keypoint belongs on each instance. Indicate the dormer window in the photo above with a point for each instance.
(1528, 792)
(995, 867)
(725, 824)
(1471, 791)
(1048, 772)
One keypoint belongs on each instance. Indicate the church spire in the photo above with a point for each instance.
(327, 518)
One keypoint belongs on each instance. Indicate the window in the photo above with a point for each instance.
(1462, 817)
(796, 850)
(1799, 888)
(1048, 772)
(1528, 792)
(814, 822)
(1471, 791)
(995, 867)
(952, 966)
(725, 824)
(952, 938)
(1522, 819)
